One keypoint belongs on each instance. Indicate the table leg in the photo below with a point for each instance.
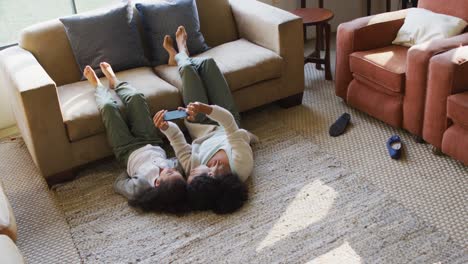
(389, 5)
(368, 7)
(328, 74)
(304, 31)
(404, 4)
(318, 44)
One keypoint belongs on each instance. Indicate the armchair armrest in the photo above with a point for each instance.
(363, 34)
(35, 103)
(447, 76)
(276, 30)
(417, 78)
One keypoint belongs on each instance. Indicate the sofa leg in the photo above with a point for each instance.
(436, 151)
(60, 177)
(291, 101)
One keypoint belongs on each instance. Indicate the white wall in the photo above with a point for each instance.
(6, 115)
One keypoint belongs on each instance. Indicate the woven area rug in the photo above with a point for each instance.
(304, 206)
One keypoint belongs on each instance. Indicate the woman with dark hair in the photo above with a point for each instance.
(220, 158)
(150, 180)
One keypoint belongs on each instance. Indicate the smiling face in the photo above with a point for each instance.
(166, 175)
(217, 168)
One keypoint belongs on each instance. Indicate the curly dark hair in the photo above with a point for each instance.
(222, 194)
(169, 197)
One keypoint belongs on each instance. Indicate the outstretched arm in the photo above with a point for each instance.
(216, 113)
(182, 149)
(128, 186)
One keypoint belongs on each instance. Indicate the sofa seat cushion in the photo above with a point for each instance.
(242, 63)
(7, 218)
(457, 109)
(81, 115)
(384, 66)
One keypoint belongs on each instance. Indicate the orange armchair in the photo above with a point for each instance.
(389, 82)
(446, 112)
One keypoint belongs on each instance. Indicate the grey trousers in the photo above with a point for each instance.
(125, 138)
(203, 82)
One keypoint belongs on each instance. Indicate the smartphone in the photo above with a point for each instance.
(176, 114)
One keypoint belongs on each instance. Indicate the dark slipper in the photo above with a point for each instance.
(394, 146)
(340, 125)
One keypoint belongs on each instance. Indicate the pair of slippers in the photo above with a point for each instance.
(339, 127)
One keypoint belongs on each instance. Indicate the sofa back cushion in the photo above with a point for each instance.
(458, 8)
(161, 18)
(108, 35)
(48, 42)
(216, 22)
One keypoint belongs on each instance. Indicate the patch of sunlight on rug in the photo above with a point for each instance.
(309, 206)
(342, 254)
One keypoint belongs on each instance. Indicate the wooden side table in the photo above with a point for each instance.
(318, 17)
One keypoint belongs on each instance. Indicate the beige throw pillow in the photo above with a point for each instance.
(422, 25)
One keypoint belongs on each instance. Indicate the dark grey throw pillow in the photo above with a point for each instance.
(163, 18)
(105, 35)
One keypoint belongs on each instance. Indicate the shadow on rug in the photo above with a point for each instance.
(304, 206)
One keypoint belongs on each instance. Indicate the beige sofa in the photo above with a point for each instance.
(259, 48)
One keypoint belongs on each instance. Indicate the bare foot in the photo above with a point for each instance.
(106, 68)
(181, 39)
(168, 45)
(91, 76)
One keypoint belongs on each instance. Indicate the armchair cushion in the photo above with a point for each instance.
(242, 63)
(422, 25)
(385, 66)
(81, 115)
(457, 109)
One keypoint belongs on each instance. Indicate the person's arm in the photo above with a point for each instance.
(215, 113)
(182, 149)
(127, 186)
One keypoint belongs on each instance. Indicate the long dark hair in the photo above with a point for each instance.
(222, 194)
(169, 197)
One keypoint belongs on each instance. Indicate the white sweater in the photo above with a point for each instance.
(235, 141)
(143, 168)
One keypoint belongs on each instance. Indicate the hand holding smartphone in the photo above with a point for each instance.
(176, 114)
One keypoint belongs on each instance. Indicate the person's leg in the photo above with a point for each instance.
(215, 88)
(139, 116)
(138, 112)
(118, 133)
(216, 85)
(193, 89)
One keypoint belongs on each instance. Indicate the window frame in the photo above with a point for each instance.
(74, 12)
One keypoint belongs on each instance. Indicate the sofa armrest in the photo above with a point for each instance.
(276, 30)
(447, 76)
(363, 34)
(35, 103)
(417, 68)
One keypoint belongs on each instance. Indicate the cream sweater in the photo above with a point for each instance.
(208, 139)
